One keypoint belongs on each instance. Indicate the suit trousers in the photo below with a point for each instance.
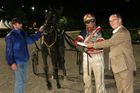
(94, 63)
(124, 81)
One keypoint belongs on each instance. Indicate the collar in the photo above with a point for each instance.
(17, 30)
(116, 30)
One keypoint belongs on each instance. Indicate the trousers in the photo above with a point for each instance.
(94, 63)
(20, 78)
(124, 81)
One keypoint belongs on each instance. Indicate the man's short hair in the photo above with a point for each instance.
(117, 15)
(16, 20)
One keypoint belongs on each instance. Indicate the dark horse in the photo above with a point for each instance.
(53, 44)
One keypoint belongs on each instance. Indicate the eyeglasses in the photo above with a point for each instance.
(89, 21)
(113, 20)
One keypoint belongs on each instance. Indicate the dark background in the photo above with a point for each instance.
(76, 9)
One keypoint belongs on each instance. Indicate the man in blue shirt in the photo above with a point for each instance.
(17, 54)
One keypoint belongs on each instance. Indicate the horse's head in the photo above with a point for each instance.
(52, 17)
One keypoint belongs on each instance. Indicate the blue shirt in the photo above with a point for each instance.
(16, 46)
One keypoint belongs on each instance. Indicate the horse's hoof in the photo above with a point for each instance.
(49, 85)
(58, 86)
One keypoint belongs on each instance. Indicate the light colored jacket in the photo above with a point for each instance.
(121, 51)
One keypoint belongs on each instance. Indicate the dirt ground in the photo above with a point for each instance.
(72, 84)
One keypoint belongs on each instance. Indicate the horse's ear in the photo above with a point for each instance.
(49, 12)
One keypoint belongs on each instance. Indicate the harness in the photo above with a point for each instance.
(49, 45)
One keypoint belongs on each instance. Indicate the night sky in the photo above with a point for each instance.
(73, 6)
(129, 9)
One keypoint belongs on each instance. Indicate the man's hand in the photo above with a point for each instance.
(79, 38)
(90, 45)
(100, 39)
(41, 29)
(75, 43)
(14, 66)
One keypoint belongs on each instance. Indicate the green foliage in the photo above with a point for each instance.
(62, 22)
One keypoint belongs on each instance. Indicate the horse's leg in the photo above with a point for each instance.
(44, 57)
(61, 54)
(55, 66)
(49, 85)
(62, 60)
